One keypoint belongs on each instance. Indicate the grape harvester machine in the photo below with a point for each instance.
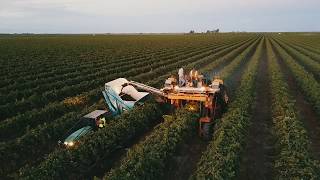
(199, 94)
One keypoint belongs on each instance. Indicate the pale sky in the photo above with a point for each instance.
(125, 16)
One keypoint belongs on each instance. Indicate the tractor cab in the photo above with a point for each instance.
(90, 122)
(97, 118)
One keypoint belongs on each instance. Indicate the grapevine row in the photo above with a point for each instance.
(310, 64)
(8, 127)
(147, 160)
(75, 162)
(222, 158)
(307, 51)
(304, 79)
(294, 160)
(43, 131)
(80, 85)
(83, 60)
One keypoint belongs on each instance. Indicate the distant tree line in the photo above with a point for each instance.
(208, 31)
(213, 31)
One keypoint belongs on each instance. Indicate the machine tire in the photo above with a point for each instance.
(207, 131)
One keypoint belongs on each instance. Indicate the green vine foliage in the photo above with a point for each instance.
(222, 157)
(75, 163)
(294, 160)
(148, 159)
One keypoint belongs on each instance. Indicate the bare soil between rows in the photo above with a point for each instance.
(305, 111)
(257, 160)
(184, 162)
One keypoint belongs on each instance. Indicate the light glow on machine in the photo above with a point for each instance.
(70, 144)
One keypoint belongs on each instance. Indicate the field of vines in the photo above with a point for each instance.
(271, 129)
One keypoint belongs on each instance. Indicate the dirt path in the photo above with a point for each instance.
(257, 159)
(234, 80)
(183, 164)
(305, 111)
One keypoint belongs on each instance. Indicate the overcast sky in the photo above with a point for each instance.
(121, 16)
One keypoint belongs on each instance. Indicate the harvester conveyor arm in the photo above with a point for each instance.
(147, 88)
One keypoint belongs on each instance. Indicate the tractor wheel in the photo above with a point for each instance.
(207, 131)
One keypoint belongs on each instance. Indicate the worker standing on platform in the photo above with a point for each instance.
(200, 81)
(188, 80)
(194, 78)
(182, 80)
